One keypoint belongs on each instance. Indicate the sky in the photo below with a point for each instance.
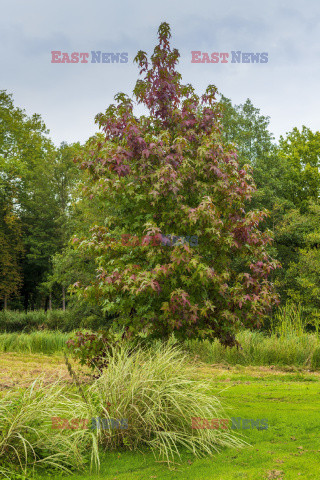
(69, 95)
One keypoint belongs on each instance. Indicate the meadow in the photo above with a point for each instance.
(273, 376)
(288, 397)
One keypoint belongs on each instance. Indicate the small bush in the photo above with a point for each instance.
(93, 348)
(15, 321)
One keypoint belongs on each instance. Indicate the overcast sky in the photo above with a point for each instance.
(68, 96)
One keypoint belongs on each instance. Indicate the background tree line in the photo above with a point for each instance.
(46, 200)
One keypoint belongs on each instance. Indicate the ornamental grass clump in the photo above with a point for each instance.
(153, 391)
(26, 437)
(146, 397)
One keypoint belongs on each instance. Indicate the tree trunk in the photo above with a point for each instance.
(26, 301)
(50, 302)
(5, 302)
(63, 299)
(46, 303)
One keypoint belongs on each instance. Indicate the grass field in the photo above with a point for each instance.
(289, 398)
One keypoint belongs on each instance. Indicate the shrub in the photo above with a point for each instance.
(93, 348)
(65, 321)
(16, 321)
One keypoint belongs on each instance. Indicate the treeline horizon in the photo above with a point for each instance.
(43, 205)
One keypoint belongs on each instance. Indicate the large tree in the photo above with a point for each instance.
(42, 176)
(300, 155)
(11, 247)
(297, 216)
(169, 172)
(248, 129)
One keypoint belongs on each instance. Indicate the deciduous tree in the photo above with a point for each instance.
(170, 172)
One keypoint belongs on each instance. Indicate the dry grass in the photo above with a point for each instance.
(21, 369)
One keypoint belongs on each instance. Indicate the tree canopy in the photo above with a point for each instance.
(170, 172)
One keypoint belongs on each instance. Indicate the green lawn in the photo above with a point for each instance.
(289, 449)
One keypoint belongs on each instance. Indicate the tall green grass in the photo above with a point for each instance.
(153, 389)
(257, 348)
(288, 343)
(35, 342)
(289, 320)
(294, 319)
